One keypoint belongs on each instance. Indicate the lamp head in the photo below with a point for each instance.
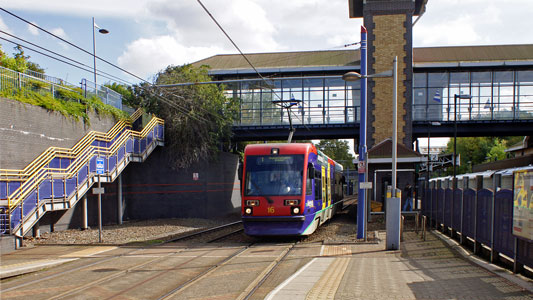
(351, 76)
(103, 31)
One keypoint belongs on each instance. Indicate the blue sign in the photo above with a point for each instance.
(99, 166)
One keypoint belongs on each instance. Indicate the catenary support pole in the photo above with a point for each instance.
(361, 199)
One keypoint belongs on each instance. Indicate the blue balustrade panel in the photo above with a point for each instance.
(71, 186)
(440, 205)
(136, 146)
(150, 137)
(161, 132)
(82, 174)
(143, 145)
(129, 146)
(503, 226)
(92, 165)
(15, 217)
(121, 152)
(448, 201)
(13, 186)
(55, 163)
(457, 200)
(45, 190)
(469, 200)
(30, 203)
(484, 216)
(524, 253)
(3, 190)
(65, 162)
(112, 163)
(59, 188)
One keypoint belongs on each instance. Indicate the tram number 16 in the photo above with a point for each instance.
(271, 209)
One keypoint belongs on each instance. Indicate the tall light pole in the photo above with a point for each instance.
(102, 31)
(363, 168)
(455, 98)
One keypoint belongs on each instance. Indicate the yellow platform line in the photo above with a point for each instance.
(327, 286)
(89, 251)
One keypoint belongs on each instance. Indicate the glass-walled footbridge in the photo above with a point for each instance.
(501, 103)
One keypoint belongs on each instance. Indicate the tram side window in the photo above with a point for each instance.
(318, 185)
(309, 182)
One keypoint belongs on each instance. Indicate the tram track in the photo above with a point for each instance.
(131, 253)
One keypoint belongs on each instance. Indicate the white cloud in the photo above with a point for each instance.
(474, 22)
(115, 8)
(145, 57)
(32, 29)
(59, 32)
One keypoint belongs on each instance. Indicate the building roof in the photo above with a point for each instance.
(384, 149)
(330, 60)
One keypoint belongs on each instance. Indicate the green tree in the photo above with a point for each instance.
(478, 150)
(198, 118)
(338, 150)
(19, 62)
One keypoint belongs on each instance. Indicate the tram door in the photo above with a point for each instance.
(324, 183)
(328, 185)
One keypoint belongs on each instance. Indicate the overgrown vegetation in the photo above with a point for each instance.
(198, 118)
(69, 102)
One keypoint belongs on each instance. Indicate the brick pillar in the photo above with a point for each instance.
(389, 25)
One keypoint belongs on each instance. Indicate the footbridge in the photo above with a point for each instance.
(500, 103)
(59, 177)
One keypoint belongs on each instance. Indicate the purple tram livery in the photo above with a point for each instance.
(288, 189)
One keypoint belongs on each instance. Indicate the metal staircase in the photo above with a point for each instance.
(59, 177)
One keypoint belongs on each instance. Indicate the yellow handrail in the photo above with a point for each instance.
(38, 172)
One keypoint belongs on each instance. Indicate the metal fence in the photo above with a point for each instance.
(483, 216)
(13, 82)
(107, 95)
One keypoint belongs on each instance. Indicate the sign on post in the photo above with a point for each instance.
(99, 166)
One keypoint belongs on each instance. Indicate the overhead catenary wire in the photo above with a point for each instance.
(242, 54)
(99, 72)
(103, 60)
(175, 105)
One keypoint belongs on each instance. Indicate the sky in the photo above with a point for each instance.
(147, 36)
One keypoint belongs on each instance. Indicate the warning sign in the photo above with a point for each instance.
(361, 167)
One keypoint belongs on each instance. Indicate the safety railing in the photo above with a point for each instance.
(107, 95)
(13, 82)
(58, 172)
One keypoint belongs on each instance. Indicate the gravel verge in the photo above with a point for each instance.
(128, 232)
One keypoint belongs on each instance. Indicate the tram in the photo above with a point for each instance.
(288, 189)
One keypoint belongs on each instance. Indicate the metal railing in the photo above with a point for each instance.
(46, 170)
(107, 95)
(13, 83)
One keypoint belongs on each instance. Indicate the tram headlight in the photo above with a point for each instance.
(248, 210)
(295, 210)
(292, 202)
(252, 202)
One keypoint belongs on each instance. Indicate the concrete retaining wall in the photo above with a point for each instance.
(26, 131)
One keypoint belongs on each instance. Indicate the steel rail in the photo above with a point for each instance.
(55, 275)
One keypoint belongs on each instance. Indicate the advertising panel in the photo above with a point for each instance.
(523, 204)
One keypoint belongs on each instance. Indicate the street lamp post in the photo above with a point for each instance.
(454, 182)
(102, 31)
(455, 98)
(363, 170)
